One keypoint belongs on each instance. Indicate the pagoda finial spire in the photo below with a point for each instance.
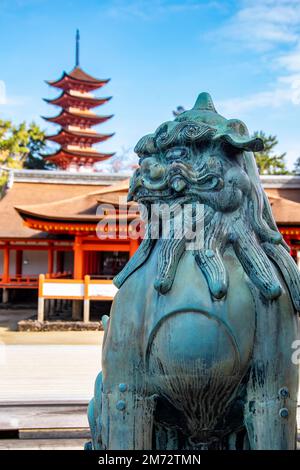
(77, 48)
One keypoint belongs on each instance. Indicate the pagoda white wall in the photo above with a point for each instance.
(37, 262)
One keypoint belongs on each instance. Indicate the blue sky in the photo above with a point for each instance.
(158, 54)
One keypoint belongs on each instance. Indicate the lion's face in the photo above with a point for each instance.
(205, 173)
(201, 157)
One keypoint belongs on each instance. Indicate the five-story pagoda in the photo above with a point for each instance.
(76, 118)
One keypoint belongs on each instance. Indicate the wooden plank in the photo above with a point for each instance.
(43, 373)
(42, 444)
(55, 433)
(43, 417)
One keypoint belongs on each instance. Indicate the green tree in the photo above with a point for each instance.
(37, 145)
(13, 144)
(21, 144)
(297, 167)
(268, 161)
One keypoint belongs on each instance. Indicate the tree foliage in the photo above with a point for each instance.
(268, 161)
(21, 145)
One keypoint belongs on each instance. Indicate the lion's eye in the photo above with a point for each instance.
(176, 153)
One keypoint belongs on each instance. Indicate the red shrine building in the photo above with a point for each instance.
(51, 226)
(76, 118)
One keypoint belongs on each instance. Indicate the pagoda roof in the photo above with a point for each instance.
(68, 99)
(66, 117)
(78, 79)
(75, 155)
(65, 136)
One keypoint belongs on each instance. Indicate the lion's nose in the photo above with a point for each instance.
(178, 184)
(156, 172)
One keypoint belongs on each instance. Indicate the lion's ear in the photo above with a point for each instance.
(236, 134)
(145, 145)
(252, 144)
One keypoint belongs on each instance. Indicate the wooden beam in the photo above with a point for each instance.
(37, 247)
(106, 247)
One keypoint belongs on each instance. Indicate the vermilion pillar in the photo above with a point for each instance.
(6, 263)
(78, 258)
(50, 259)
(133, 246)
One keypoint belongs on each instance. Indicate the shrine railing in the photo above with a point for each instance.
(20, 280)
(74, 289)
(30, 280)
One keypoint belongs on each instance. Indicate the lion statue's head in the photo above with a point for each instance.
(203, 158)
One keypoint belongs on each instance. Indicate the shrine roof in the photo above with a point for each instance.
(81, 208)
(44, 187)
(58, 195)
(285, 211)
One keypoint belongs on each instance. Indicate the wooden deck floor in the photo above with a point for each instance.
(44, 394)
(48, 373)
(47, 387)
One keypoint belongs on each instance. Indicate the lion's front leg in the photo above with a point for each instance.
(94, 415)
(127, 419)
(270, 410)
(271, 423)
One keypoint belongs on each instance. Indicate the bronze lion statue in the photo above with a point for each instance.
(197, 349)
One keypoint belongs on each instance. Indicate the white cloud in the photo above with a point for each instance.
(270, 30)
(13, 101)
(267, 28)
(263, 25)
(145, 10)
(265, 99)
(2, 92)
(291, 60)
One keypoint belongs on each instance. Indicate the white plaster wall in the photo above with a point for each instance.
(37, 262)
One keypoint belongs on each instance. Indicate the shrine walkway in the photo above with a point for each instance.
(45, 388)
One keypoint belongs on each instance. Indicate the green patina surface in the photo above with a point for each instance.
(197, 350)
